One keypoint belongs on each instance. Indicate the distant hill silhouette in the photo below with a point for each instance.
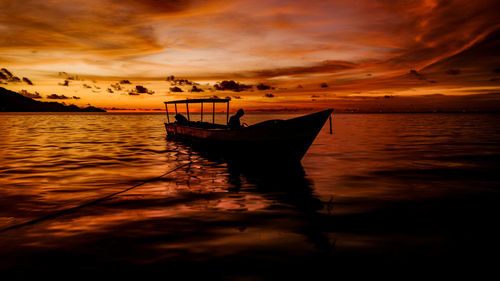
(13, 102)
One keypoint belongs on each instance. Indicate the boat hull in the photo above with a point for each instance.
(274, 140)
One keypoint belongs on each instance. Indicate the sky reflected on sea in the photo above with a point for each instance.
(391, 187)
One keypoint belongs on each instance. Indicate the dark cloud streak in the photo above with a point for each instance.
(328, 66)
(57, 97)
(28, 81)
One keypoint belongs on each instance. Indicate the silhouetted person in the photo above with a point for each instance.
(234, 121)
(181, 119)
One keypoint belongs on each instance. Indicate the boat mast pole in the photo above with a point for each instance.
(213, 113)
(201, 111)
(187, 110)
(175, 108)
(227, 114)
(166, 108)
(331, 132)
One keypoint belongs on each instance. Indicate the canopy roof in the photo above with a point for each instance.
(197, 101)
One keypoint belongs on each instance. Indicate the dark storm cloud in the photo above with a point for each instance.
(143, 90)
(27, 94)
(262, 87)
(140, 90)
(230, 85)
(57, 97)
(14, 79)
(195, 89)
(176, 89)
(116, 87)
(6, 73)
(454, 71)
(415, 74)
(7, 76)
(28, 81)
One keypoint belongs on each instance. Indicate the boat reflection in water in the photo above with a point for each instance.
(280, 221)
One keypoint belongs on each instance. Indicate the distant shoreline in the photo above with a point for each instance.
(11, 101)
(248, 112)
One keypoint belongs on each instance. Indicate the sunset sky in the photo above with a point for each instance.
(314, 54)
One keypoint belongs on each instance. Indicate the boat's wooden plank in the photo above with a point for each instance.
(197, 101)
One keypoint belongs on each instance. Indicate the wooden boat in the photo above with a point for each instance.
(272, 140)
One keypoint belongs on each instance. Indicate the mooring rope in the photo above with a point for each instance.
(93, 202)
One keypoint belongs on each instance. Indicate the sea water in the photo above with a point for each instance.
(384, 191)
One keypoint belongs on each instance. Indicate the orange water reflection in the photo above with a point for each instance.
(383, 186)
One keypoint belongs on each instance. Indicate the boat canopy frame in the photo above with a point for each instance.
(202, 101)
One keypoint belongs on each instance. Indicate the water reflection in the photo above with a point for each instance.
(384, 191)
(274, 187)
(207, 211)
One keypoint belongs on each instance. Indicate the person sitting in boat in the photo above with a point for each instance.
(181, 119)
(234, 121)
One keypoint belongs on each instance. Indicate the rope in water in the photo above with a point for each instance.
(93, 202)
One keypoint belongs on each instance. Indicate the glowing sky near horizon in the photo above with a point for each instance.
(357, 47)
